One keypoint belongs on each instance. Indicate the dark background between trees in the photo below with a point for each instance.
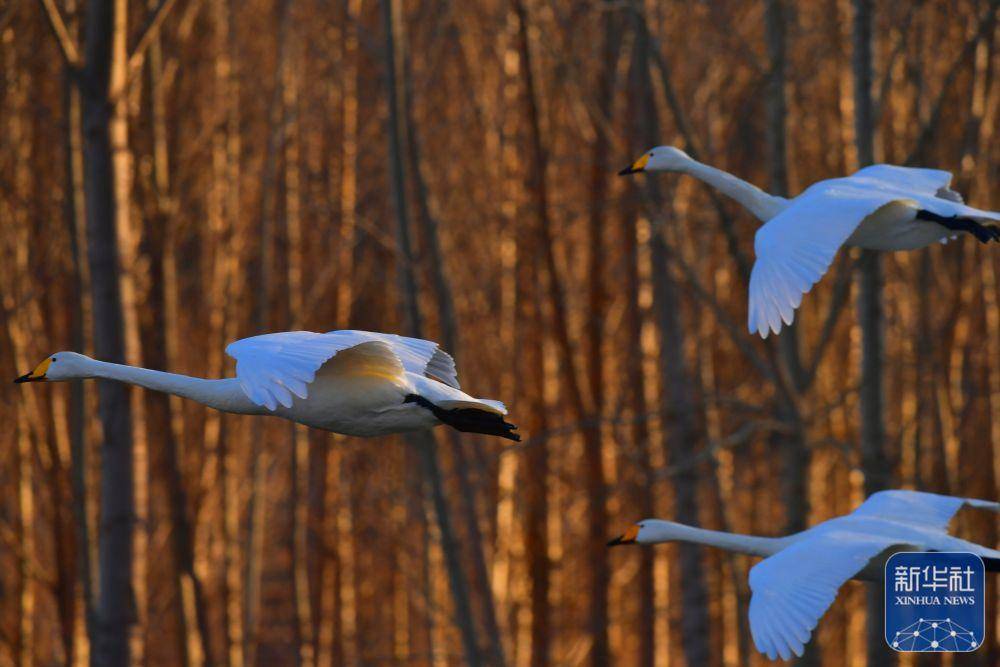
(178, 174)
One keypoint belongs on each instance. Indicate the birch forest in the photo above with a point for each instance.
(179, 174)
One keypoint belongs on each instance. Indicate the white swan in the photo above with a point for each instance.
(882, 207)
(351, 382)
(798, 579)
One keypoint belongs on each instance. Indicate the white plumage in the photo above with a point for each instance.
(800, 575)
(353, 382)
(882, 207)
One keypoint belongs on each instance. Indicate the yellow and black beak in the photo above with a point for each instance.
(628, 537)
(635, 167)
(37, 375)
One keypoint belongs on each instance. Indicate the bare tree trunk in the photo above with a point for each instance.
(449, 339)
(874, 463)
(423, 441)
(115, 607)
(791, 441)
(263, 277)
(158, 246)
(597, 552)
(529, 376)
(645, 586)
(678, 406)
(80, 281)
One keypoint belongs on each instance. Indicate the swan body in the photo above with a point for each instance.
(881, 207)
(799, 577)
(352, 382)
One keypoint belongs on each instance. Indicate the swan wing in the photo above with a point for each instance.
(929, 188)
(422, 357)
(793, 588)
(910, 179)
(271, 368)
(928, 510)
(796, 247)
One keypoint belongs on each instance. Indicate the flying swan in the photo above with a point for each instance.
(882, 207)
(351, 382)
(798, 579)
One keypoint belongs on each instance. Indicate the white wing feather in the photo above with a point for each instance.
(796, 247)
(793, 588)
(422, 357)
(928, 510)
(271, 368)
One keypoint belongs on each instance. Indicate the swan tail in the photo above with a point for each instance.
(984, 229)
(469, 419)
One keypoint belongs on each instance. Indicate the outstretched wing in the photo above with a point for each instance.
(912, 180)
(422, 357)
(793, 588)
(796, 247)
(918, 508)
(273, 367)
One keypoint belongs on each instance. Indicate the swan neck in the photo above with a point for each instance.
(225, 394)
(749, 196)
(745, 544)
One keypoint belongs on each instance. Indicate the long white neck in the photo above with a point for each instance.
(748, 195)
(668, 531)
(225, 394)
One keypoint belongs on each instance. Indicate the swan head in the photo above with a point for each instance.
(59, 366)
(661, 158)
(648, 531)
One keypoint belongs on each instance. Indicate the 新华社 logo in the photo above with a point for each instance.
(935, 601)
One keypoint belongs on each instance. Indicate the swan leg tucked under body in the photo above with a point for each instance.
(800, 575)
(351, 382)
(882, 207)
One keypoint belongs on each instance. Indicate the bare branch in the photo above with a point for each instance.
(66, 43)
(986, 24)
(841, 292)
(8, 14)
(691, 146)
(148, 34)
(738, 338)
(897, 50)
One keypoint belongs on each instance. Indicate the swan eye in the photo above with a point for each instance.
(53, 358)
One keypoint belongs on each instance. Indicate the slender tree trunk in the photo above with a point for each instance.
(80, 282)
(597, 552)
(792, 441)
(874, 462)
(423, 441)
(530, 374)
(115, 611)
(449, 340)
(263, 277)
(645, 586)
(158, 246)
(680, 433)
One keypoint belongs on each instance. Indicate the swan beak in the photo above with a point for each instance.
(36, 375)
(628, 537)
(635, 167)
